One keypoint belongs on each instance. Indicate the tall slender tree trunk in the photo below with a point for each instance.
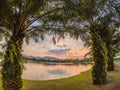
(110, 63)
(12, 64)
(99, 57)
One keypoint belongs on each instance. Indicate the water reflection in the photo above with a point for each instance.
(37, 71)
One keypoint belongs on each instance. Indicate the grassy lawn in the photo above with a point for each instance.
(82, 81)
(0, 82)
(117, 59)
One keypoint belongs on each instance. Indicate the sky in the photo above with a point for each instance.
(64, 49)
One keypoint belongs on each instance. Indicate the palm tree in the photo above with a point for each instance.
(88, 13)
(17, 18)
(109, 31)
(98, 48)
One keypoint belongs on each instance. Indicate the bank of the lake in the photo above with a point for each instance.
(82, 81)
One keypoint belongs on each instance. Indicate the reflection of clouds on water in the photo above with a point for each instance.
(58, 71)
(37, 71)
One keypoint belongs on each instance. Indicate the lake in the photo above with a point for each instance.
(38, 71)
(41, 71)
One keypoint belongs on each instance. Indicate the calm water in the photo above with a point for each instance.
(37, 71)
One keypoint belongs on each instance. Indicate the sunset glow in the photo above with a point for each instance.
(64, 49)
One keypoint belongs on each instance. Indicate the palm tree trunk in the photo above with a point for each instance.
(99, 57)
(110, 63)
(12, 64)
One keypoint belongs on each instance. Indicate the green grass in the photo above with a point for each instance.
(117, 59)
(82, 81)
(0, 82)
(72, 83)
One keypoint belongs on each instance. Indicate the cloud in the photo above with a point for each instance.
(59, 51)
(65, 48)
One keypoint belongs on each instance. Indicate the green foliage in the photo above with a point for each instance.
(110, 34)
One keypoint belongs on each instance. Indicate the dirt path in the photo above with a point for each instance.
(113, 82)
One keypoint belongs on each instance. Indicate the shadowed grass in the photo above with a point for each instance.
(82, 81)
